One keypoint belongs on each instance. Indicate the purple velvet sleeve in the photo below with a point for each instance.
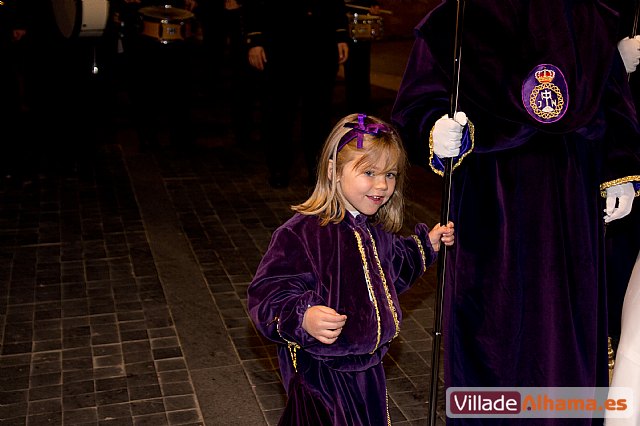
(282, 290)
(421, 100)
(410, 259)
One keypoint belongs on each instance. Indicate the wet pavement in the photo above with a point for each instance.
(123, 277)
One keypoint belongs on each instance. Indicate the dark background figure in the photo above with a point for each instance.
(623, 235)
(357, 68)
(61, 98)
(215, 30)
(299, 45)
(13, 27)
(157, 69)
(229, 79)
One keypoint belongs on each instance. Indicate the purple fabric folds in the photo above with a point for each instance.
(304, 406)
(525, 293)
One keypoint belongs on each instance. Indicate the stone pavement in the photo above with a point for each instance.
(123, 278)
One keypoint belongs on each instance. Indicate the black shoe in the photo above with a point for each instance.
(279, 180)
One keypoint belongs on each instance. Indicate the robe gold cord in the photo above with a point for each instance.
(292, 346)
(609, 184)
(392, 307)
(424, 258)
(365, 267)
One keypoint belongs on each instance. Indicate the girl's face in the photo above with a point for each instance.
(366, 188)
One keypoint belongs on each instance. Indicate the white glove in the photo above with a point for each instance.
(447, 135)
(630, 51)
(624, 194)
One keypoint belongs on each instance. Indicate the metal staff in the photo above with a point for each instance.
(634, 30)
(444, 219)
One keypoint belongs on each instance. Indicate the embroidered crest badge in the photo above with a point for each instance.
(544, 93)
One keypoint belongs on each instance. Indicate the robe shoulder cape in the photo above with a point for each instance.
(502, 42)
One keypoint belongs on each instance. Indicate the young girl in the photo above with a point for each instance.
(327, 288)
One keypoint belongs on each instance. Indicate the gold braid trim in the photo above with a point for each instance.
(392, 307)
(367, 278)
(292, 346)
(422, 255)
(388, 416)
(612, 359)
(472, 133)
(604, 186)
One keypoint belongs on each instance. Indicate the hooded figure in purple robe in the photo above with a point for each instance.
(555, 133)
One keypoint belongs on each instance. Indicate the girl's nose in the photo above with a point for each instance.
(381, 182)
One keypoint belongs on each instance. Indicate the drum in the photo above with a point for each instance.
(81, 18)
(167, 24)
(365, 27)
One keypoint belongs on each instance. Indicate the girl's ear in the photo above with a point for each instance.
(330, 170)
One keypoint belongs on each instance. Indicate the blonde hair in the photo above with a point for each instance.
(327, 203)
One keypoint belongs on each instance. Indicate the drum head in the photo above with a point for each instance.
(166, 12)
(84, 18)
(95, 14)
(66, 16)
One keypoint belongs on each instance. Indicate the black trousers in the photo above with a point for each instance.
(159, 86)
(304, 83)
(229, 77)
(357, 77)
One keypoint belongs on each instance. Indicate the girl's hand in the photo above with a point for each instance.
(442, 233)
(323, 323)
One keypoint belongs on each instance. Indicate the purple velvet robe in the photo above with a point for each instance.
(307, 264)
(525, 299)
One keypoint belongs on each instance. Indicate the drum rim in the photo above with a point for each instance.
(365, 16)
(186, 13)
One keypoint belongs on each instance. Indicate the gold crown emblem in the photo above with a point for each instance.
(545, 75)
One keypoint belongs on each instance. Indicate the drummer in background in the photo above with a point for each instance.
(126, 13)
(357, 69)
(157, 77)
(229, 77)
(297, 45)
(13, 27)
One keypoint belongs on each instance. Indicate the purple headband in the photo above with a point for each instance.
(358, 130)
